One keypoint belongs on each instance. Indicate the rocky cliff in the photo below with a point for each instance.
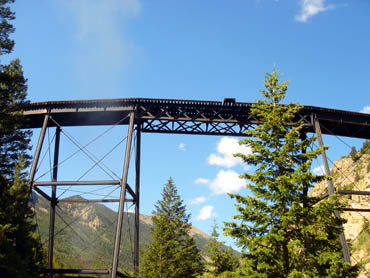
(353, 173)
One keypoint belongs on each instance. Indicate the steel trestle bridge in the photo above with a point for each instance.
(172, 116)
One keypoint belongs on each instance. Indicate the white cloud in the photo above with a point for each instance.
(366, 109)
(206, 212)
(310, 8)
(98, 22)
(318, 170)
(182, 147)
(103, 48)
(198, 200)
(202, 180)
(226, 182)
(226, 147)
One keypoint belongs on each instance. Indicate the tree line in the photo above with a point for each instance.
(281, 230)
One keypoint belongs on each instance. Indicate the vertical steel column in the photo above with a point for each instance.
(331, 190)
(137, 201)
(53, 202)
(35, 161)
(122, 197)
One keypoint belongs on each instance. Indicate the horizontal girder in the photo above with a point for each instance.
(228, 118)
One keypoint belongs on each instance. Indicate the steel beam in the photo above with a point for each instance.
(324, 196)
(357, 209)
(42, 193)
(137, 201)
(80, 271)
(129, 189)
(77, 183)
(353, 192)
(122, 197)
(93, 200)
(53, 202)
(36, 157)
(331, 190)
(75, 271)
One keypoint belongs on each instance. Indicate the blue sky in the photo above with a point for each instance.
(207, 50)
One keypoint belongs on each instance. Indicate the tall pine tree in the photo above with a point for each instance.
(281, 233)
(13, 141)
(173, 252)
(13, 93)
(20, 250)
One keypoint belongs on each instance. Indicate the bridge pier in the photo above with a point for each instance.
(53, 202)
(137, 201)
(48, 121)
(123, 196)
(331, 190)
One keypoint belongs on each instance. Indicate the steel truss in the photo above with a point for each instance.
(228, 118)
(125, 188)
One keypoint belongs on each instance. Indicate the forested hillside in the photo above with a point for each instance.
(88, 242)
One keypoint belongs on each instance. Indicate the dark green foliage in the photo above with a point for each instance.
(365, 149)
(6, 44)
(13, 92)
(20, 249)
(353, 154)
(220, 259)
(281, 235)
(173, 252)
(13, 141)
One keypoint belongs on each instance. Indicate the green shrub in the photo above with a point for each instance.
(353, 154)
(358, 177)
(364, 237)
(365, 149)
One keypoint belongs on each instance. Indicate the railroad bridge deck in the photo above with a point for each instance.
(186, 116)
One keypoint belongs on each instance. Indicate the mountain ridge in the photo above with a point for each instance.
(88, 240)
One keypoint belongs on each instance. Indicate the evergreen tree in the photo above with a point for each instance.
(173, 252)
(20, 250)
(365, 149)
(220, 259)
(6, 28)
(21, 253)
(353, 154)
(13, 92)
(13, 141)
(281, 233)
